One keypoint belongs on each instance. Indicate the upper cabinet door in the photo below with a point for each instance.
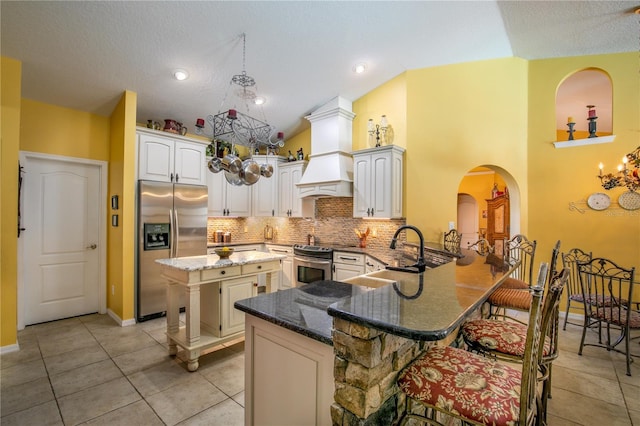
(156, 156)
(189, 165)
(377, 182)
(166, 159)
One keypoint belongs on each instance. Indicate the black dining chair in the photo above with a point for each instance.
(575, 297)
(607, 289)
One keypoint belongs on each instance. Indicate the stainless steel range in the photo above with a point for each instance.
(311, 263)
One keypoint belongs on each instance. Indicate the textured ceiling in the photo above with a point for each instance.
(82, 55)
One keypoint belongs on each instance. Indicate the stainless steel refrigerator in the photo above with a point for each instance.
(172, 222)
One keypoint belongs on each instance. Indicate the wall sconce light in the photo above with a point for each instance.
(628, 176)
(378, 129)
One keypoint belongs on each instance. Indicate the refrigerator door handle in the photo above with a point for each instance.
(177, 232)
(172, 237)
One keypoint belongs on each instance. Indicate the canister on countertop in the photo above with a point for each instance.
(227, 237)
(219, 236)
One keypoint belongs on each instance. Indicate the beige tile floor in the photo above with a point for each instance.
(89, 371)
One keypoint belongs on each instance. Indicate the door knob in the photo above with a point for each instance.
(92, 246)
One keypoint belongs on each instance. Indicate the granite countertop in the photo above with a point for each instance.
(212, 261)
(301, 309)
(426, 306)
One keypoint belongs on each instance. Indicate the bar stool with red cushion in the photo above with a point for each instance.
(479, 390)
(514, 292)
(506, 340)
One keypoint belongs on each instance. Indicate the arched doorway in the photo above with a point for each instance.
(475, 188)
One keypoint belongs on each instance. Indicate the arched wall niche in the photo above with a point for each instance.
(589, 86)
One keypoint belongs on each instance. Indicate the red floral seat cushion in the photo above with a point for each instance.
(506, 337)
(466, 384)
(511, 298)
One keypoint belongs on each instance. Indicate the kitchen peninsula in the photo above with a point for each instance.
(337, 347)
(211, 286)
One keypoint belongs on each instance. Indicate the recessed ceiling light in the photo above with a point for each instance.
(259, 100)
(180, 75)
(359, 68)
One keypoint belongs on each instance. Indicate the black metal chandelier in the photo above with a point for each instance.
(235, 127)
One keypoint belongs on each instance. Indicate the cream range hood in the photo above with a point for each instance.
(330, 169)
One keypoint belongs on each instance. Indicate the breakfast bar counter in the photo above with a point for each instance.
(211, 286)
(350, 339)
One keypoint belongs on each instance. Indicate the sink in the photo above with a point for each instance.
(368, 281)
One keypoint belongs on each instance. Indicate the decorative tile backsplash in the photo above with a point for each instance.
(334, 224)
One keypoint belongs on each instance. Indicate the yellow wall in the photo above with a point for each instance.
(388, 99)
(558, 177)
(122, 182)
(459, 117)
(52, 129)
(10, 86)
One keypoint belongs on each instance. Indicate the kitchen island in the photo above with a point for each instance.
(371, 329)
(211, 286)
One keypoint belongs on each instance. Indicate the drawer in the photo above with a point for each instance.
(348, 258)
(258, 268)
(287, 251)
(219, 273)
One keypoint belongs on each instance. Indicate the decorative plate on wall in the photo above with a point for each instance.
(629, 200)
(598, 201)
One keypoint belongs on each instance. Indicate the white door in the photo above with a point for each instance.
(467, 219)
(61, 256)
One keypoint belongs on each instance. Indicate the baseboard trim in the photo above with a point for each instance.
(9, 348)
(119, 320)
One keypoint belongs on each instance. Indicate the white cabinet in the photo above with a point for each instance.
(232, 320)
(226, 199)
(347, 265)
(285, 278)
(220, 318)
(170, 159)
(372, 265)
(290, 204)
(377, 182)
(265, 191)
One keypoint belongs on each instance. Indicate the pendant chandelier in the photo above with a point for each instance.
(235, 127)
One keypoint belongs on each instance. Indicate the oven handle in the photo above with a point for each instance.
(308, 261)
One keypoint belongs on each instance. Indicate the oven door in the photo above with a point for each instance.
(309, 269)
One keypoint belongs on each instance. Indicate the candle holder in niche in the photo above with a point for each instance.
(571, 125)
(592, 121)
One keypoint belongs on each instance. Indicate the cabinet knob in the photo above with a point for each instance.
(255, 284)
(259, 266)
(177, 177)
(223, 272)
(171, 177)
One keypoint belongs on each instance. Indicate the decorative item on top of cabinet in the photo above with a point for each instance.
(377, 182)
(165, 158)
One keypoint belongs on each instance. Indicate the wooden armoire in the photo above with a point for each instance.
(498, 222)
